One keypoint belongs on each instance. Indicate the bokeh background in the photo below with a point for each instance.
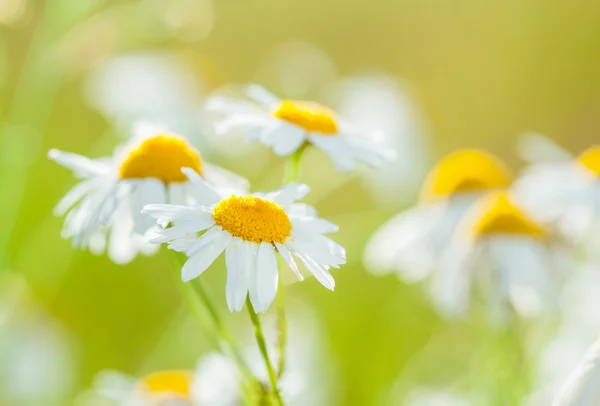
(434, 75)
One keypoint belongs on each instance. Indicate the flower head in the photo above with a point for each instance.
(412, 242)
(564, 193)
(106, 204)
(162, 388)
(286, 125)
(500, 250)
(251, 229)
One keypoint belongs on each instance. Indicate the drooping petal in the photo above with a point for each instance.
(204, 257)
(287, 257)
(238, 257)
(146, 191)
(267, 277)
(320, 272)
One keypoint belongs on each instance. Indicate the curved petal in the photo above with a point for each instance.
(204, 257)
(287, 257)
(320, 272)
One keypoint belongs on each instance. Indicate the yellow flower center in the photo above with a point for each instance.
(253, 219)
(498, 215)
(311, 116)
(161, 157)
(174, 383)
(467, 170)
(590, 158)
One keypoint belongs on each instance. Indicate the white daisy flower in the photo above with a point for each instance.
(563, 191)
(251, 229)
(411, 242)
(583, 386)
(164, 388)
(287, 125)
(512, 259)
(107, 203)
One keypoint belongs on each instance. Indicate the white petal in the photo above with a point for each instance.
(186, 231)
(221, 178)
(289, 142)
(182, 245)
(81, 165)
(76, 194)
(252, 120)
(313, 225)
(320, 272)
(167, 213)
(177, 193)
(204, 257)
(147, 191)
(238, 257)
(287, 257)
(267, 277)
(121, 247)
(301, 209)
(582, 388)
(203, 192)
(316, 251)
(338, 150)
(204, 239)
(262, 96)
(288, 194)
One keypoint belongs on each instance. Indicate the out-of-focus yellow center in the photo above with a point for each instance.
(253, 219)
(311, 116)
(498, 215)
(590, 158)
(161, 157)
(173, 383)
(468, 170)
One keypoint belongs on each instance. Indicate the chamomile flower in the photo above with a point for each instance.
(509, 257)
(583, 386)
(564, 192)
(164, 388)
(107, 203)
(412, 242)
(251, 229)
(287, 125)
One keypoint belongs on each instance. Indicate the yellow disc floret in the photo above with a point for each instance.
(161, 157)
(590, 158)
(498, 215)
(173, 383)
(468, 170)
(311, 116)
(253, 219)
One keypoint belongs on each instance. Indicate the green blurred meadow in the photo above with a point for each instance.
(476, 73)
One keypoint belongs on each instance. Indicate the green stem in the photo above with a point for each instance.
(260, 339)
(197, 297)
(282, 328)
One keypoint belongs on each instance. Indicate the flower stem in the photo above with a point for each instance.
(197, 297)
(260, 340)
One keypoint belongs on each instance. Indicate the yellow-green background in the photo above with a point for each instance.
(481, 73)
